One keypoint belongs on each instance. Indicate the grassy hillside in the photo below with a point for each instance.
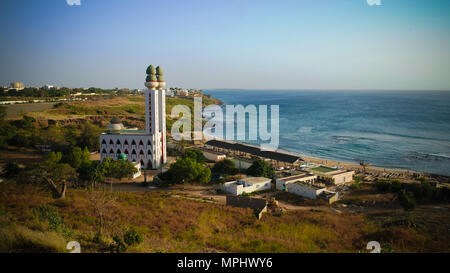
(114, 105)
(170, 223)
(131, 109)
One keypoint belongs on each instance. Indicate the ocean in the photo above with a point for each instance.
(398, 129)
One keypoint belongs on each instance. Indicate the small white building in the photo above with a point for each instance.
(303, 189)
(138, 166)
(247, 185)
(305, 185)
(281, 183)
(213, 156)
(333, 176)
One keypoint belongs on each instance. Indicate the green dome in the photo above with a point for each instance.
(160, 74)
(151, 78)
(151, 70)
(122, 157)
(159, 71)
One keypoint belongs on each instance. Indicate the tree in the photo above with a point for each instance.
(225, 167)
(102, 202)
(195, 154)
(57, 176)
(118, 169)
(94, 172)
(89, 137)
(187, 170)
(261, 168)
(78, 158)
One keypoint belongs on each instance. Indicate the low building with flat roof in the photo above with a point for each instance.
(281, 183)
(305, 185)
(247, 185)
(213, 155)
(333, 176)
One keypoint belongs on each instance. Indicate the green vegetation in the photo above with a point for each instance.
(27, 132)
(52, 93)
(195, 154)
(261, 168)
(407, 200)
(117, 168)
(187, 170)
(225, 168)
(52, 174)
(411, 193)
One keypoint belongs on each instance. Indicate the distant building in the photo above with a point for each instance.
(17, 85)
(47, 87)
(333, 176)
(247, 185)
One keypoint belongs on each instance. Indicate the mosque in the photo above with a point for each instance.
(147, 147)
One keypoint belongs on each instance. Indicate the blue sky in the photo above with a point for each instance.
(251, 44)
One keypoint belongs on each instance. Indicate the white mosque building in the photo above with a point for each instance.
(145, 147)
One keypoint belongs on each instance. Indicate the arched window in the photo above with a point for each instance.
(126, 151)
(103, 141)
(149, 165)
(111, 151)
(141, 143)
(141, 152)
(118, 142)
(104, 151)
(118, 151)
(126, 142)
(148, 142)
(111, 142)
(133, 142)
(134, 152)
(142, 163)
(149, 152)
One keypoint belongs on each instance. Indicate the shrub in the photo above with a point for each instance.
(51, 215)
(118, 245)
(382, 186)
(132, 237)
(261, 168)
(407, 200)
(224, 167)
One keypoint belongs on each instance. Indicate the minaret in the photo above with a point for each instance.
(155, 116)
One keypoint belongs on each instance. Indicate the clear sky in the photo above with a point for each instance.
(251, 44)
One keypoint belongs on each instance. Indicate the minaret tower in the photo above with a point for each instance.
(155, 114)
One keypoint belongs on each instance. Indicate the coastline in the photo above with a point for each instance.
(370, 169)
